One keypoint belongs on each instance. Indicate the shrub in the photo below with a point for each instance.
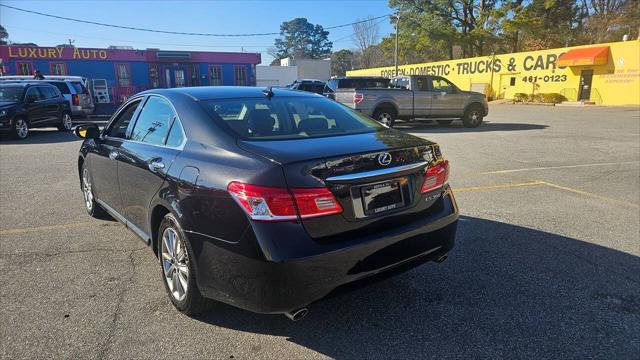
(553, 98)
(536, 98)
(520, 97)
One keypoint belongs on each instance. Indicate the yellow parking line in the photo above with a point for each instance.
(45, 228)
(500, 186)
(591, 195)
(560, 167)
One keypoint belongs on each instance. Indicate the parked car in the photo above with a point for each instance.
(417, 96)
(353, 82)
(310, 85)
(73, 88)
(266, 199)
(25, 105)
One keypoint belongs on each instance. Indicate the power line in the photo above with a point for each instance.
(171, 32)
(351, 35)
(141, 42)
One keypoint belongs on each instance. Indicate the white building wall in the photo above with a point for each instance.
(276, 75)
(314, 69)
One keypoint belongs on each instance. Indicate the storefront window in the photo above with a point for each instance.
(179, 75)
(215, 75)
(58, 69)
(240, 75)
(24, 68)
(123, 74)
(154, 77)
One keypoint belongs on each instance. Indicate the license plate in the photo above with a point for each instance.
(381, 197)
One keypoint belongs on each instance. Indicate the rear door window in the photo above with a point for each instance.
(62, 87)
(48, 92)
(153, 122)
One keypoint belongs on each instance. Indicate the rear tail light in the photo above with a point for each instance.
(75, 100)
(357, 98)
(436, 177)
(265, 203)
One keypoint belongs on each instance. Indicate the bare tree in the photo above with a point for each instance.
(365, 35)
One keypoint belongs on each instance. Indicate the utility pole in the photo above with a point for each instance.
(396, 56)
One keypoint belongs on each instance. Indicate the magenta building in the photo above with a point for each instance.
(130, 71)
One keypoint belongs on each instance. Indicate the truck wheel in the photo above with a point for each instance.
(472, 117)
(386, 116)
(444, 122)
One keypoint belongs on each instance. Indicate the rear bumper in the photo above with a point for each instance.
(293, 278)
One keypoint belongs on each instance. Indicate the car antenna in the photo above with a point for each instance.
(268, 92)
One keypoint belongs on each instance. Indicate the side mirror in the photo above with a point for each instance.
(90, 131)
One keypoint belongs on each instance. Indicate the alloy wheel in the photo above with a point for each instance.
(86, 190)
(22, 129)
(475, 117)
(175, 263)
(385, 118)
(67, 122)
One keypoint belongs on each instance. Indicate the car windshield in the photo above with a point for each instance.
(11, 93)
(283, 118)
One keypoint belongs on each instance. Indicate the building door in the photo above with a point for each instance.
(585, 85)
(175, 77)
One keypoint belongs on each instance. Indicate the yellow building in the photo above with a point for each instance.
(605, 74)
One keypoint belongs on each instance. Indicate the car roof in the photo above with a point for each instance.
(227, 92)
(22, 83)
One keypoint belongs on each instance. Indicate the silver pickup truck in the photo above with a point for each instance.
(417, 96)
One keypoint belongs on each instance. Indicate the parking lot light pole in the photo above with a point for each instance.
(396, 54)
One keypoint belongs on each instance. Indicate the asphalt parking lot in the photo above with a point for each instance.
(547, 261)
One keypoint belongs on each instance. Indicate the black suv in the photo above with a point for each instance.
(314, 86)
(25, 105)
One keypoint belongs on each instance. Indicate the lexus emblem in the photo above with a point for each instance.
(384, 159)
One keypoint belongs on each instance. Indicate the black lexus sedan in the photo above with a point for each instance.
(26, 105)
(265, 199)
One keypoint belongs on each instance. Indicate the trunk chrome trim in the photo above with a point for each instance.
(379, 172)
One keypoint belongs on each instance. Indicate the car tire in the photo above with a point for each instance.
(473, 117)
(20, 128)
(90, 204)
(176, 269)
(66, 122)
(386, 116)
(444, 122)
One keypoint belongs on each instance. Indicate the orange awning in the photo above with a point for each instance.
(597, 55)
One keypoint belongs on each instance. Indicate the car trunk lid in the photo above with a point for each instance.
(374, 176)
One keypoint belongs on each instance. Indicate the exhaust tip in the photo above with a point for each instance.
(297, 314)
(441, 258)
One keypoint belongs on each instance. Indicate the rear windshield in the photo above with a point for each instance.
(11, 93)
(61, 86)
(283, 118)
(363, 83)
(80, 89)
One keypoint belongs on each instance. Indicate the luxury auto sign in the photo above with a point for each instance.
(32, 52)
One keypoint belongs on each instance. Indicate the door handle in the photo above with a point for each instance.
(113, 155)
(156, 165)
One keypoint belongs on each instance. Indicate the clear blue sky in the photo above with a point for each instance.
(184, 16)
